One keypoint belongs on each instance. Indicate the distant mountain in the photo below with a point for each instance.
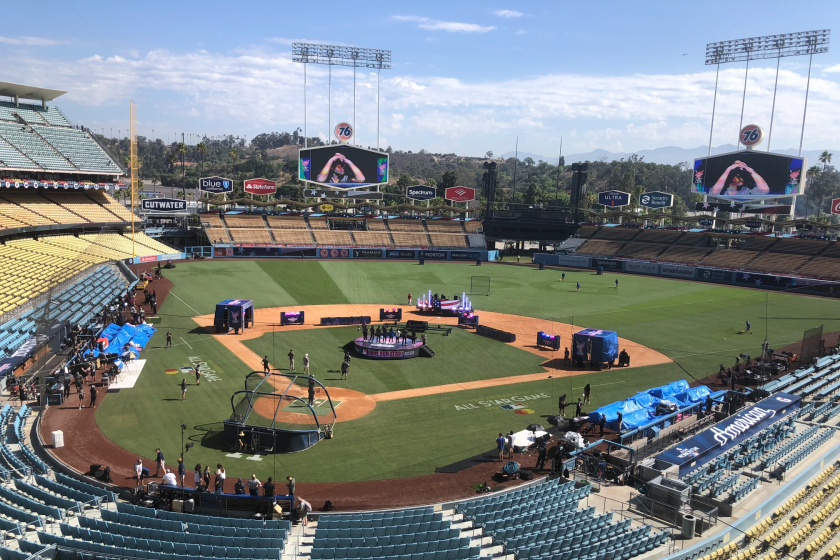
(669, 155)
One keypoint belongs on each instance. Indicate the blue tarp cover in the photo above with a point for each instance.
(640, 409)
(604, 345)
(119, 336)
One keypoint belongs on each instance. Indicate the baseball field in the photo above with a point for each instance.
(408, 417)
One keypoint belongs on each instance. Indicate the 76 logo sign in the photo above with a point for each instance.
(343, 131)
(751, 135)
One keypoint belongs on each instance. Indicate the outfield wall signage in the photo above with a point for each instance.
(334, 253)
(464, 255)
(614, 198)
(709, 444)
(606, 264)
(163, 205)
(567, 260)
(434, 255)
(215, 185)
(367, 253)
(420, 192)
(764, 280)
(641, 267)
(713, 275)
(400, 254)
(656, 199)
(676, 271)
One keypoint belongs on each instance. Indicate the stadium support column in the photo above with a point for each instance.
(773, 107)
(805, 110)
(134, 167)
(305, 133)
(743, 101)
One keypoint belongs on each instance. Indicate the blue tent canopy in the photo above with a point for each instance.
(234, 314)
(604, 345)
(640, 409)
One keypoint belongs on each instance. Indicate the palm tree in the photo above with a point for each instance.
(171, 158)
(201, 148)
(825, 158)
(181, 148)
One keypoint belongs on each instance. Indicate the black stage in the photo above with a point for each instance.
(387, 350)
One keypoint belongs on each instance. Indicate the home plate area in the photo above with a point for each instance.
(320, 406)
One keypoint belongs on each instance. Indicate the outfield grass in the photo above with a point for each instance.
(693, 323)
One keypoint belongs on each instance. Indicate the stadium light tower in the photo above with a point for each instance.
(767, 47)
(355, 57)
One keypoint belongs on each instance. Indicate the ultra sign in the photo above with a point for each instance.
(420, 192)
(613, 198)
(656, 199)
(163, 205)
(215, 185)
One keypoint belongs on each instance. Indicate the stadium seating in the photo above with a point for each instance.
(33, 146)
(448, 240)
(444, 226)
(78, 147)
(636, 250)
(729, 258)
(293, 236)
(598, 247)
(657, 236)
(250, 235)
(406, 225)
(778, 262)
(616, 233)
(79, 204)
(244, 221)
(410, 239)
(34, 114)
(372, 238)
(287, 222)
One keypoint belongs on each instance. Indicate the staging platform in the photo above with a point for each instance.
(390, 350)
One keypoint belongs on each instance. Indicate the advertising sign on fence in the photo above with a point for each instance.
(367, 253)
(606, 264)
(641, 267)
(260, 186)
(712, 275)
(676, 270)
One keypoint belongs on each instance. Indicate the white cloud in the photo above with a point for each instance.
(449, 26)
(508, 13)
(29, 41)
(835, 68)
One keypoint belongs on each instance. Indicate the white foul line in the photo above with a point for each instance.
(185, 303)
(185, 342)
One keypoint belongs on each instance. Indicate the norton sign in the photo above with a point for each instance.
(656, 199)
(163, 205)
(420, 192)
(215, 185)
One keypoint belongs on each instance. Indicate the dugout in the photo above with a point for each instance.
(595, 346)
(234, 314)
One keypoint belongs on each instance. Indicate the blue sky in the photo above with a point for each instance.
(467, 77)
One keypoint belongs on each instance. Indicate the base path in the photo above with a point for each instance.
(355, 404)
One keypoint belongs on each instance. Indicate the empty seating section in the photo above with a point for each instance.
(822, 267)
(251, 235)
(406, 225)
(36, 203)
(691, 239)
(318, 223)
(21, 208)
(778, 262)
(372, 238)
(332, 237)
(13, 158)
(376, 225)
(636, 250)
(684, 254)
(33, 114)
(77, 202)
(587, 231)
(79, 148)
(799, 246)
(293, 236)
(104, 199)
(442, 226)
(472, 226)
(553, 527)
(448, 240)
(729, 258)
(410, 239)
(616, 233)
(244, 221)
(143, 244)
(598, 247)
(657, 236)
(415, 534)
(287, 222)
(29, 143)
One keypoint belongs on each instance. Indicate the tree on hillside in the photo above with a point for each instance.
(449, 180)
(825, 158)
(404, 181)
(488, 154)
(201, 148)
(181, 148)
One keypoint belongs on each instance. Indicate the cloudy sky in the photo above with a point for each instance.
(467, 77)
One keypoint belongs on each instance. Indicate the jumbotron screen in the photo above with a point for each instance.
(749, 174)
(343, 166)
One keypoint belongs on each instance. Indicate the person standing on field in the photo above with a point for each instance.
(292, 359)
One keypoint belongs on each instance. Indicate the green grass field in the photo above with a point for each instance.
(693, 323)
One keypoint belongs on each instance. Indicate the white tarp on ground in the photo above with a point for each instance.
(129, 374)
(526, 438)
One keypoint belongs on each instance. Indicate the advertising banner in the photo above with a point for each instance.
(707, 206)
(712, 275)
(835, 205)
(163, 205)
(568, 260)
(400, 254)
(464, 255)
(606, 264)
(613, 198)
(215, 185)
(420, 192)
(656, 199)
(749, 174)
(349, 195)
(367, 253)
(260, 186)
(641, 267)
(705, 222)
(459, 194)
(676, 270)
(343, 166)
(709, 444)
(764, 280)
(333, 253)
(753, 224)
(434, 255)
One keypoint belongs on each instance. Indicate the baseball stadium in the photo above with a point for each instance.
(350, 372)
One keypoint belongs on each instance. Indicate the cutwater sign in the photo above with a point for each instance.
(613, 198)
(705, 222)
(656, 199)
(753, 224)
(215, 185)
(163, 205)
(420, 192)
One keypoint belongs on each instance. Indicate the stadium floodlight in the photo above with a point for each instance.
(340, 55)
(767, 47)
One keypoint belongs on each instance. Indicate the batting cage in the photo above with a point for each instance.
(479, 286)
(812, 344)
(279, 413)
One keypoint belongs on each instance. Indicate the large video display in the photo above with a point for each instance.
(749, 174)
(343, 166)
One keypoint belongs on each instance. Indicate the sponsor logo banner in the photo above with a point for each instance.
(150, 258)
(835, 205)
(260, 186)
(326, 208)
(642, 267)
(464, 255)
(566, 260)
(460, 194)
(753, 224)
(215, 185)
(439, 255)
(764, 280)
(676, 270)
(367, 253)
(712, 275)
(333, 253)
(613, 198)
(399, 254)
(163, 205)
(420, 192)
(705, 222)
(656, 199)
(606, 264)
